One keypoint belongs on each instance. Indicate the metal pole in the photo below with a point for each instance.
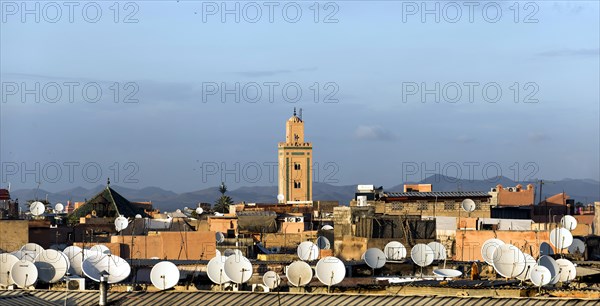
(103, 289)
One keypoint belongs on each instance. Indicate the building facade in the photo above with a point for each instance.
(295, 163)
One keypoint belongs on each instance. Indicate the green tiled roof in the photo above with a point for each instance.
(107, 203)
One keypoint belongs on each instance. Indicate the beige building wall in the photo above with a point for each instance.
(295, 163)
(13, 234)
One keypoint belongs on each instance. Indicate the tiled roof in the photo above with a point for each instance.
(108, 202)
(439, 194)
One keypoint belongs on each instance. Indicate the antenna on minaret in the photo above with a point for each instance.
(300, 113)
(294, 111)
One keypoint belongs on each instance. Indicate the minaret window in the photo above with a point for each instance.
(297, 166)
(297, 185)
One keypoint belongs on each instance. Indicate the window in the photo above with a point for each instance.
(422, 205)
(477, 204)
(449, 205)
(297, 166)
(297, 184)
(397, 206)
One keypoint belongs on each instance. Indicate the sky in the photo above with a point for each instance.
(185, 94)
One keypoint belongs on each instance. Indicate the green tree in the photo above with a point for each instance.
(222, 204)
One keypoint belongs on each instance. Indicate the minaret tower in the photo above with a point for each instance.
(295, 163)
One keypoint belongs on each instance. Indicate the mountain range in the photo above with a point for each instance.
(582, 190)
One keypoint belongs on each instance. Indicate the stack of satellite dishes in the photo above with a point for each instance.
(299, 273)
(308, 251)
(394, 250)
(164, 275)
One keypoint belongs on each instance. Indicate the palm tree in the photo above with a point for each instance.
(222, 204)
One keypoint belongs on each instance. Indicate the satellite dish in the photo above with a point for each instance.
(138, 216)
(18, 254)
(233, 252)
(37, 208)
(449, 273)
(164, 275)
(439, 250)
(577, 246)
(199, 210)
(100, 248)
(546, 249)
(552, 266)
(488, 248)
(271, 279)
(530, 262)
(215, 270)
(568, 222)
(51, 265)
(59, 207)
(561, 238)
(98, 264)
(509, 261)
(540, 276)
(121, 223)
(567, 270)
(422, 255)
(299, 273)
(6, 263)
(308, 251)
(323, 243)
(394, 250)
(32, 247)
(468, 205)
(327, 227)
(23, 273)
(75, 256)
(178, 210)
(374, 258)
(280, 197)
(238, 269)
(220, 237)
(330, 270)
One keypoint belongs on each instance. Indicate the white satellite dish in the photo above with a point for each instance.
(330, 270)
(138, 216)
(374, 258)
(323, 243)
(567, 270)
(299, 273)
(59, 207)
(488, 248)
(121, 223)
(199, 210)
(271, 279)
(468, 205)
(23, 273)
(37, 208)
(327, 227)
(540, 276)
(238, 269)
(449, 273)
(509, 261)
(422, 255)
(439, 250)
(233, 252)
(561, 238)
(164, 275)
(308, 251)
(568, 222)
(394, 250)
(51, 266)
(577, 246)
(32, 247)
(75, 256)
(280, 197)
(552, 266)
(116, 268)
(100, 248)
(215, 270)
(546, 249)
(6, 263)
(219, 237)
(530, 262)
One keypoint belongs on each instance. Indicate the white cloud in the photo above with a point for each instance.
(372, 132)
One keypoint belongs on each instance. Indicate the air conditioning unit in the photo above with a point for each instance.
(290, 219)
(362, 200)
(259, 288)
(76, 283)
(299, 219)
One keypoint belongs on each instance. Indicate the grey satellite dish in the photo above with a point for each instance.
(577, 246)
(561, 238)
(271, 279)
(280, 197)
(100, 248)
(215, 270)
(164, 275)
(308, 251)
(327, 227)
(37, 208)
(6, 263)
(394, 250)
(509, 261)
(138, 216)
(51, 266)
(330, 270)
(220, 237)
(75, 256)
(468, 205)
(488, 248)
(530, 262)
(374, 258)
(552, 266)
(19, 254)
(23, 273)
(546, 249)
(121, 223)
(94, 266)
(447, 273)
(567, 270)
(439, 250)
(59, 207)
(238, 269)
(299, 273)
(199, 210)
(323, 243)
(422, 255)
(540, 275)
(568, 222)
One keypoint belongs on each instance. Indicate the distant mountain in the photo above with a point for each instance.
(583, 190)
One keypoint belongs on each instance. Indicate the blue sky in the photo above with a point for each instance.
(366, 63)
